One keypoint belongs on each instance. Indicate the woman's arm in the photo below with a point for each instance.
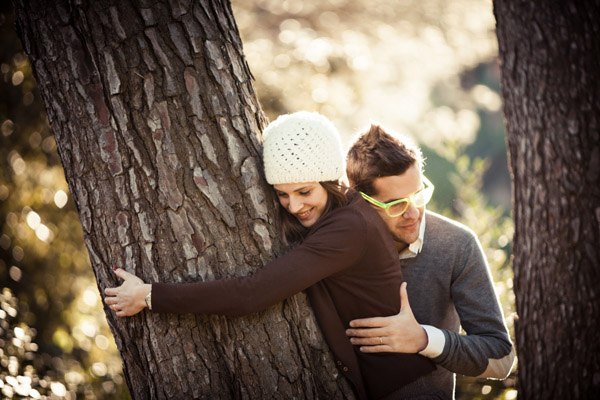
(336, 244)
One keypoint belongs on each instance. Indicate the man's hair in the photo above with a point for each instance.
(377, 154)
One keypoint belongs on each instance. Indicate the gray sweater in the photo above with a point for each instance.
(449, 285)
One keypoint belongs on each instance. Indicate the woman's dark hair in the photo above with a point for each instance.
(293, 231)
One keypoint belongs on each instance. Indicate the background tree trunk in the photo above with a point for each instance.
(156, 120)
(550, 63)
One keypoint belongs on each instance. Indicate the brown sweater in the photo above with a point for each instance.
(350, 267)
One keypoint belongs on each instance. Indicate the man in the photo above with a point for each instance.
(447, 277)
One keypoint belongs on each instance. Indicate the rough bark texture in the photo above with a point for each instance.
(156, 120)
(550, 63)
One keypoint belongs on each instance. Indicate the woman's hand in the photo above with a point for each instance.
(129, 298)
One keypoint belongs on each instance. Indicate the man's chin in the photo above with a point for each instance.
(404, 241)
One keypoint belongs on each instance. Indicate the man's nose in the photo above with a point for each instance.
(411, 212)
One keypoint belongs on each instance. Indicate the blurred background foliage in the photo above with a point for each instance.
(427, 68)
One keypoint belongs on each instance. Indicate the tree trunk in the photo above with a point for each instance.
(550, 64)
(156, 118)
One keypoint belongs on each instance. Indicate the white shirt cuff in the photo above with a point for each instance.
(436, 342)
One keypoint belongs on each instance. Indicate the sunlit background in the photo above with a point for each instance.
(427, 68)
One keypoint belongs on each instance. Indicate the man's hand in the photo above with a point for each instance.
(400, 333)
(129, 298)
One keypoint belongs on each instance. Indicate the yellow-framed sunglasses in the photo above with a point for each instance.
(397, 207)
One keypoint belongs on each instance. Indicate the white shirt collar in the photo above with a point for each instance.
(415, 247)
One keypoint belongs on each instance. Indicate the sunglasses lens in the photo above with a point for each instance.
(422, 197)
(397, 209)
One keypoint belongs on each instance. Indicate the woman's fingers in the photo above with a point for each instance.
(125, 299)
(376, 349)
(110, 300)
(121, 273)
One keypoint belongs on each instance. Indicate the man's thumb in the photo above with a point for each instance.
(404, 304)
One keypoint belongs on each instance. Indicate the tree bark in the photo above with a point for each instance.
(156, 122)
(550, 64)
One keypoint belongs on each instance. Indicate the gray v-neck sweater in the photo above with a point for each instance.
(449, 286)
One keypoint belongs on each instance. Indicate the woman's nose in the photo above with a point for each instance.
(295, 205)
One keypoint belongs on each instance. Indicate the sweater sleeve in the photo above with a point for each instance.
(334, 245)
(486, 349)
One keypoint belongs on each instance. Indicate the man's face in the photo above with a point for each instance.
(404, 228)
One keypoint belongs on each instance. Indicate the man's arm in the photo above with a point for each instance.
(484, 351)
(400, 333)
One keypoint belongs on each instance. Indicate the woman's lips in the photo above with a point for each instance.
(304, 215)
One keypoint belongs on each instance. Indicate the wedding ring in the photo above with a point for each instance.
(380, 340)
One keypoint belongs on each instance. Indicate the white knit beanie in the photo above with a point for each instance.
(302, 147)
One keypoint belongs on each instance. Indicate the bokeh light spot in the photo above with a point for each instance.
(49, 144)
(102, 342)
(5, 241)
(58, 389)
(60, 198)
(47, 195)
(486, 97)
(4, 192)
(74, 378)
(18, 165)
(90, 297)
(99, 369)
(293, 6)
(281, 61)
(328, 19)
(43, 233)
(28, 99)
(12, 219)
(18, 78)
(7, 390)
(33, 220)
(7, 127)
(35, 139)
(320, 95)
(13, 365)
(18, 253)
(88, 327)
(19, 332)
(108, 386)
(287, 36)
(15, 273)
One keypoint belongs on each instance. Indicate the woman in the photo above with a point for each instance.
(343, 256)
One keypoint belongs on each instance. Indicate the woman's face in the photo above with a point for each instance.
(306, 201)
